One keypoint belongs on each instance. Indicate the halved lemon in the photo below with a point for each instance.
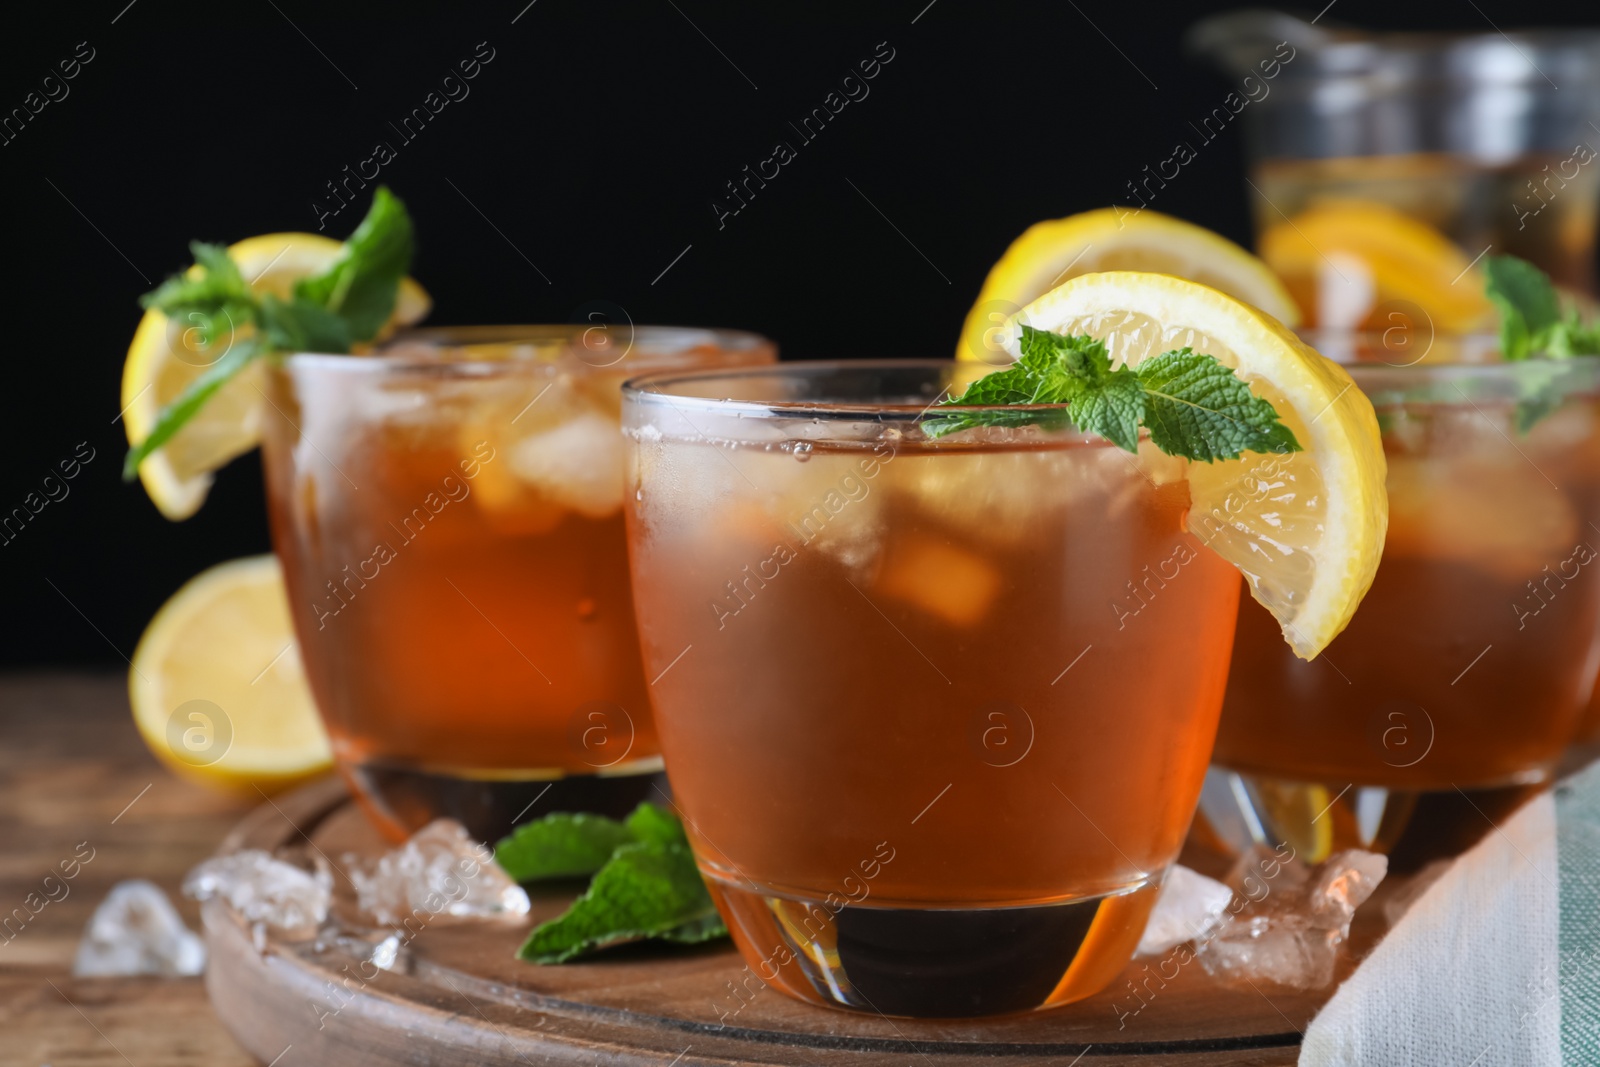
(1050, 253)
(166, 356)
(217, 687)
(1354, 263)
(1306, 528)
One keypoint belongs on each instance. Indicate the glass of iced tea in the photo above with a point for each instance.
(924, 770)
(449, 517)
(1466, 671)
(1382, 164)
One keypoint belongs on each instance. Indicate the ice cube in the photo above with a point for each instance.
(1346, 291)
(438, 871)
(136, 930)
(1494, 515)
(576, 464)
(1342, 883)
(996, 497)
(831, 502)
(1291, 919)
(952, 583)
(1189, 908)
(265, 890)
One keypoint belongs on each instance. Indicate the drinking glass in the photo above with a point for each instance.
(925, 767)
(1466, 670)
(449, 518)
(1487, 138)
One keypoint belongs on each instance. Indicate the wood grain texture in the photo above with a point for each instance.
(458, 995)
(73, 771)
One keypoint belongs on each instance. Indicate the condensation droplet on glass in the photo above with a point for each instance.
(802, 450)
(586, 608)
(638, 494)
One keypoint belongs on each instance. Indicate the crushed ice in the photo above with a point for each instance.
(265, 890)
(439, 871)
(1281, 921)
(137, 931)
(1190, 908)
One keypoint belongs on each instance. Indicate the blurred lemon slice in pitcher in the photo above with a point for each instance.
(1049, 253)
(1346, 261)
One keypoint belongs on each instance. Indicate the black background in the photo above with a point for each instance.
(593, 145)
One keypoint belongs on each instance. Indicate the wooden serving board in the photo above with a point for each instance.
(462, 997)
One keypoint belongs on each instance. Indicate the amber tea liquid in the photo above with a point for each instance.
(1464, 672)
(453, 543)
(934, 718)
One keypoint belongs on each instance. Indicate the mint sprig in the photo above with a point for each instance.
(345, 305)
(1531, 321)
(645, 885)
(646, 890)
(1192, 404)
(1532, 325)
(561, 845)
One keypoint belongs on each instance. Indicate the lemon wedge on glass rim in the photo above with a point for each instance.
(166, 356)
(1305, 528)
(1052, 252)
(217, 686)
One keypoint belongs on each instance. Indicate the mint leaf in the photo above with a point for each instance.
(1568, 338)
(564, 844)
(651, 823)
(1531, 324)
(1077, 371)
(362, 285)
(649, 889)
(1532, 408)
(1526, 299)
(1200, 409)
(1040, 376)
(1193, 405)
(1113, 408)
(175, 414)
(1542, 386)
(214, 285)
(561, 845)
(298, 325)
(213, 297)
(647, 883)
(346, 304)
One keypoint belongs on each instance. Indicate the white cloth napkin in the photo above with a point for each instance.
(1497, 963)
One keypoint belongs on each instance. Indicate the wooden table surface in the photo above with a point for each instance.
(73, 770)
(74, 775)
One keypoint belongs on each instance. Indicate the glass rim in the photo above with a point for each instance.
(650, 389)
(658, 347)
(1333, 344)
(1384, 383)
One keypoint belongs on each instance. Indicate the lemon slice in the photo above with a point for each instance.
(1306, 529)
(1296, 813)
(217, 686)
(166, 356)
(1050, 253)
(1349, 262)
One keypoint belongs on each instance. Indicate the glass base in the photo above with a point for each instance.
(936, 962)
(1317, 819)
(401, 799)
